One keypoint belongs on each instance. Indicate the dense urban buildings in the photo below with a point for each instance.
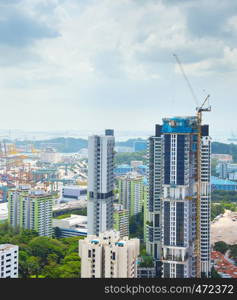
(100, 182)
(30, 209)
(8, 261)
(108, 256)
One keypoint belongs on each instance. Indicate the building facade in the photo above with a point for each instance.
(108, 256)
(178, 222)
(185, 215)
(121, 220)
(8, 261)
(75, 225)
(31, 209)
(131, 192)
(152, 207)
(100, 182)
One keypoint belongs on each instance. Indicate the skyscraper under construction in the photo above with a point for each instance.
(179, 197)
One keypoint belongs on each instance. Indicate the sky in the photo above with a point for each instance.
(95, 64)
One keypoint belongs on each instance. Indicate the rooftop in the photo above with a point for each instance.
(223, 266)
(180, 124)
(5, 247)
(216, 180)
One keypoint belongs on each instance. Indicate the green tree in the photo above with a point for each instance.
(233, 252)
(33, 265)
(43, 246)
(221, 247)
(214, 273)
(136, 226)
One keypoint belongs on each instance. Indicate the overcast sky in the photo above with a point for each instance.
(92, 64)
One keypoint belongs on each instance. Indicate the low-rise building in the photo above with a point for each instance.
(73, 192)
(224, 267)
(223, 184)
(75, 225)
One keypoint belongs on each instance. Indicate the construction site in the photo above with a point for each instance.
(43, 169)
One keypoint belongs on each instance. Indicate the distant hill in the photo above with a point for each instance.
(129, 142)
(63, 145)
(69, 145)
(66, 145)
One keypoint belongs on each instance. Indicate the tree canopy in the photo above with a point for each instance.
(43, 257)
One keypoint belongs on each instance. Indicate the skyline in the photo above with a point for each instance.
(114, 62)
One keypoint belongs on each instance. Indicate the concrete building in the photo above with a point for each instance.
(75, 225)
(223, 170)
(50, 156)
(146, 272)
(3, 212)
(73, 192)
(30, 209)
(185, 197)
(121, 220)
(8, 261)
(108, 256)
(131, 192)
(222, 157)
(152, 207)
(100, 182)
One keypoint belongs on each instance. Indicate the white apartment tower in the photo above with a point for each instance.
(152, 226)
(108, 256)
(8, 261)
(100, 182)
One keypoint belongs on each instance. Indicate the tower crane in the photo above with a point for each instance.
(205, 107)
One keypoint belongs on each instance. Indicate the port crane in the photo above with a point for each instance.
(205, 107)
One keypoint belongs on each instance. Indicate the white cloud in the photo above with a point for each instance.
(107, 51)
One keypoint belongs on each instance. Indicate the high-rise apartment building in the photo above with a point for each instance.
(30, 209)
(121, 220)
(108, 256)
(179, 187)
(131, 192)
(152, 207)
(8, 261)
(100, 182)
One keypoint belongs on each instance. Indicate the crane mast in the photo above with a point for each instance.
(199, 111)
